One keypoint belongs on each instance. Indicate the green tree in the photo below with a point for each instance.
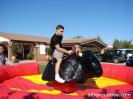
(116, 44)
(127, 44)
(122, 44)
(99, 38)
(78, 37)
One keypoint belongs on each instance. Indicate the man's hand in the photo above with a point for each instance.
(70, 52)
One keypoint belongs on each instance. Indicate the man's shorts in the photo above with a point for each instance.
(57, 54)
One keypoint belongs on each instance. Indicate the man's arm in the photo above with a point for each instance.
(62, 49)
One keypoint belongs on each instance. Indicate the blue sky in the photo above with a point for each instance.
(108, 19)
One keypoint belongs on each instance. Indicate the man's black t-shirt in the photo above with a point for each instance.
(55, 40)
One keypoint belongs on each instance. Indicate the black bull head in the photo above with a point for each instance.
(75, 67)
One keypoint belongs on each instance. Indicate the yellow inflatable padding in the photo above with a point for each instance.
(100, 82)
(35, 79)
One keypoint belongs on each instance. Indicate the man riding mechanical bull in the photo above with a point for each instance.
(74, 66)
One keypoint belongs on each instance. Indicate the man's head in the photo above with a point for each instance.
(1, 49)
(59, 30)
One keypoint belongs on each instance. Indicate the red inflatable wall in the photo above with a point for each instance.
(8, 72)
(118, 72)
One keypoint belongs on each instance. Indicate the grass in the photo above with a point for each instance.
(42, 68)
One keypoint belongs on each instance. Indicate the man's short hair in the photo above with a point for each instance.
(59, 27)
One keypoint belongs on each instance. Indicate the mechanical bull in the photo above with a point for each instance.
(76, 67)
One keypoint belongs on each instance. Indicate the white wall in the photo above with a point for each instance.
(3, 39)
(42, 49)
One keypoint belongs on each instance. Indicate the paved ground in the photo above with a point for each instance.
(122, 64)
(45, 62)
(32, 61)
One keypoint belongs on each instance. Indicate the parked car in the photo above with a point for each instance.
(115, 56)
(127, 52)
(129, 62)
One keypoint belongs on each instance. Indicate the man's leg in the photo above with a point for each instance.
(57, 67)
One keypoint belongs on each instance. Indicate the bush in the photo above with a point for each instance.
(14, 49)
(42, 68)
(48, 51)
(30, 56)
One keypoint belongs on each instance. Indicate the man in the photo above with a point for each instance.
(58, 51)
(2, 56)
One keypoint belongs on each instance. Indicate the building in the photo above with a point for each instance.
(22, 45)
(92, 44)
